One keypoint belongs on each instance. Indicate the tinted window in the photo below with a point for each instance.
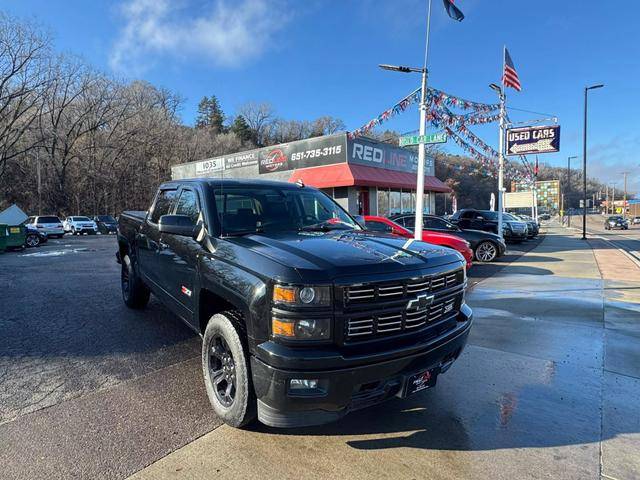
(48, 220)
(377, 226)
(81, 219)
(106, 219)
(489, 215)
(409, 222)
(440, 223)
(245, 210)
(163, 203)
(188, 205)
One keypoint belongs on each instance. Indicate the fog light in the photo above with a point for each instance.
(303, 384)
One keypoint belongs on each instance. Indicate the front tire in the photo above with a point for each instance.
(134, 293)
(486, 251)
(225, 365)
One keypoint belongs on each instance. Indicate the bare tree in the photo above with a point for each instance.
(258, 116)
(24, 53)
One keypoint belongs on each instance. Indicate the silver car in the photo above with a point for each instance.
(47, 224)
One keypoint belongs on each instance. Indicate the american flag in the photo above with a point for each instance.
(510, 76)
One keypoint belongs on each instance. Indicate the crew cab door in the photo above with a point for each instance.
(148, 240)
(178, 255)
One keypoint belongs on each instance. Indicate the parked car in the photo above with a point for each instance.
(544, 216)
(486, 246)
(533, 228)
(106, 224)
(34, 236)
(304, 315)
(636, 220)
(384, 225)
(616, 221)
(78, 225)
(471, 219)
(50, 225)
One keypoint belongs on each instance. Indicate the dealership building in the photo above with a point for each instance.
(365, 176)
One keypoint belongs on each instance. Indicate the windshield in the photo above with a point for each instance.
(510, 217)
(106, 219)
(81, 219)
(243, 210)
(489, 215)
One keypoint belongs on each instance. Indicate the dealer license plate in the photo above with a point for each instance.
(421, 381)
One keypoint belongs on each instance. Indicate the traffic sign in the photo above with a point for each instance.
(533, 140)
(427, 139)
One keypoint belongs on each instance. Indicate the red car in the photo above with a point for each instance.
(384, 225)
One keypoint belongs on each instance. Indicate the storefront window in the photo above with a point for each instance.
(383, 202)
(406, 202)
(394, 202)
(427, 203)
(413, 201)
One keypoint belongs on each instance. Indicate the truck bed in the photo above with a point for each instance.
(128, 224)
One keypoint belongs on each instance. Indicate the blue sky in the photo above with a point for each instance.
(310, 58)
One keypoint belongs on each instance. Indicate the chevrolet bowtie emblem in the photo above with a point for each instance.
(420, 302)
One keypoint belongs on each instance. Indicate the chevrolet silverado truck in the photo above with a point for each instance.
(304, 315)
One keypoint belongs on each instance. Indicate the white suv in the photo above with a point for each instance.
(48, 224)
(79, 225)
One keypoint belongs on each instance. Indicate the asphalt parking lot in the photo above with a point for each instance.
(91, 389)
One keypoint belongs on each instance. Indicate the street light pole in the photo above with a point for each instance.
(584, 162)
(422, 128)
(500, 91)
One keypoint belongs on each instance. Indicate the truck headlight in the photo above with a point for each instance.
(301, 328)
(302, 296)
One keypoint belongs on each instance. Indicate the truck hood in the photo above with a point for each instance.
(334, 254)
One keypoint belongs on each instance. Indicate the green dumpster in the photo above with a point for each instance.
(17, 236)
(4, 233)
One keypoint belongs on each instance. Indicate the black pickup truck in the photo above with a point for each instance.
(304, 315)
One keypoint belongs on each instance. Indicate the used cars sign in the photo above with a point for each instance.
(530, 140)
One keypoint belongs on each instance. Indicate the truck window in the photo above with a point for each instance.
(188, 205)
(162, 205)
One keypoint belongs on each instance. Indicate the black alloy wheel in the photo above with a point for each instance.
(222, 370)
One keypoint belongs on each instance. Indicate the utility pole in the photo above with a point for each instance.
(567, 205)
(624, 198)
(39, 180)
(613, 199)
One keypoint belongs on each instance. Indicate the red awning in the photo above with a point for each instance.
(349, 174)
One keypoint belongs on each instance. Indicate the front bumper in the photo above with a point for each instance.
(360, 382)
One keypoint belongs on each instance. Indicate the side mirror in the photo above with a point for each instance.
(176, 225)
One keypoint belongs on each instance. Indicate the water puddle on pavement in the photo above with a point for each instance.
(58, 253)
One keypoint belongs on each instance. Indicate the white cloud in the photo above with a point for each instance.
(223, 32)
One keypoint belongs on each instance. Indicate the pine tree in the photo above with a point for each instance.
(210, 114)
(241, 128)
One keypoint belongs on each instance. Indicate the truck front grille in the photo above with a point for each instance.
(401, 289)
(358, 328)
(384, 309)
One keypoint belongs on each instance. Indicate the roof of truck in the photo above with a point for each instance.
(231, 182)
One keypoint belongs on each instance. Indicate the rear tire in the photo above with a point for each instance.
(134, 292)
(227, 378)
(486, 251)
(32, 240)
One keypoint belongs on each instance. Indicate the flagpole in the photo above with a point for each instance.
(423, 128)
